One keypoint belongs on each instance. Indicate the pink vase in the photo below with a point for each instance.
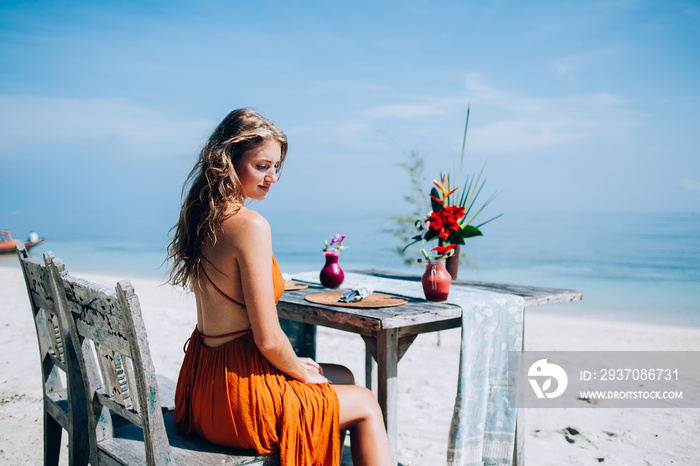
(332, 275)
(436, 281)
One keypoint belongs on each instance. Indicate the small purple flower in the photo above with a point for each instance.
(337, 240)
(336, 243)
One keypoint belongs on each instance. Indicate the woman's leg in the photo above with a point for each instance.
(339, 375)
(361, 415)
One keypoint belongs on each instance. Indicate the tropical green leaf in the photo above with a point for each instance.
(466, 189)
(489, 220)
(415, 240)
(435, 205)
(456, 237)
(431, 234)
(470, 231)
(464, 143)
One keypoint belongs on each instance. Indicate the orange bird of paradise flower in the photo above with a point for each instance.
(444, 187)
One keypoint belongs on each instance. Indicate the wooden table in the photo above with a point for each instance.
(389, 332)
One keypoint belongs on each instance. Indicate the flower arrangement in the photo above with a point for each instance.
(336, 243)
(449, 221)
(453, 211)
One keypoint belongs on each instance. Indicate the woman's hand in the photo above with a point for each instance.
(313, 371)
(312, 363)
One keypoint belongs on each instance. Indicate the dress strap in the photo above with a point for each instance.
(232, 334)
(198, 335)
(219, 290)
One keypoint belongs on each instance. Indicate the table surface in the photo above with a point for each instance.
(415, 317)
(364, 321)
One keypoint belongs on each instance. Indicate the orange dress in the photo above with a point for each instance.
(232, 396)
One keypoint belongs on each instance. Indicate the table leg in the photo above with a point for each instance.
(387, 381)
(519, 445)
(369, 362)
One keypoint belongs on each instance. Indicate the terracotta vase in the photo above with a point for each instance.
(332, 275)
(452, 263)
(436, 281)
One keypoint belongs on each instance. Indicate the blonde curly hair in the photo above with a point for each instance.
(214, 190)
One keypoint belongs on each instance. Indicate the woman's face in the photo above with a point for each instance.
(257, 169)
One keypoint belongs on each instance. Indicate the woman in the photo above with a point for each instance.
(241, 384)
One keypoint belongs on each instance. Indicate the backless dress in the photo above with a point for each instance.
(232, 396)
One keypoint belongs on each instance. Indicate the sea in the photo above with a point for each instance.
(630, 266)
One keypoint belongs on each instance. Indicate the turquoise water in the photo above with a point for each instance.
(632, 265)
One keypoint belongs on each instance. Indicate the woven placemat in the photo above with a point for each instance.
(291, 285)
(373, 301)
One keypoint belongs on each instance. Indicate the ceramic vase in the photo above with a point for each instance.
(332, 275)
(436, 281)
(452, 263)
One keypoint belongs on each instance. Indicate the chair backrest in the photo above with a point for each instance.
(64, 394)
(47, 321)
(107, 329)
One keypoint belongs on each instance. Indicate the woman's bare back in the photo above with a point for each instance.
(219, 295)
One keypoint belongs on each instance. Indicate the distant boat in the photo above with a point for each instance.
(7, 244)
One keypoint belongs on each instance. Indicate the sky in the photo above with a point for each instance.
(574, 106)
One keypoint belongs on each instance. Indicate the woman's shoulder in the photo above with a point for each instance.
(248, 218)
(246, 223)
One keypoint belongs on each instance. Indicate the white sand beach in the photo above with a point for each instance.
(427, 383)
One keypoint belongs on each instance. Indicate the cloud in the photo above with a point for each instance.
(507, 122)
(48, 121)
(415, 110)
(330, 86)
(526, 123)
(691, 185)
(567, 66)
(493, 97)
(514, 136)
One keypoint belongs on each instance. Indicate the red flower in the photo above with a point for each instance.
(446, 220)
(443, 249)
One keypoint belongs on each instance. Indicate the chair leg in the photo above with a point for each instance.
(79, 444)
(52, 440)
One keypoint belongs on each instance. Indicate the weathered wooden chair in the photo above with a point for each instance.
(108, 332)
(64, 395)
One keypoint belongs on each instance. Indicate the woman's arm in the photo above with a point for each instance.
(253, 250)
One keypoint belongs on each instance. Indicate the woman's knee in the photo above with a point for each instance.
(358, 404)
(368, 403)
